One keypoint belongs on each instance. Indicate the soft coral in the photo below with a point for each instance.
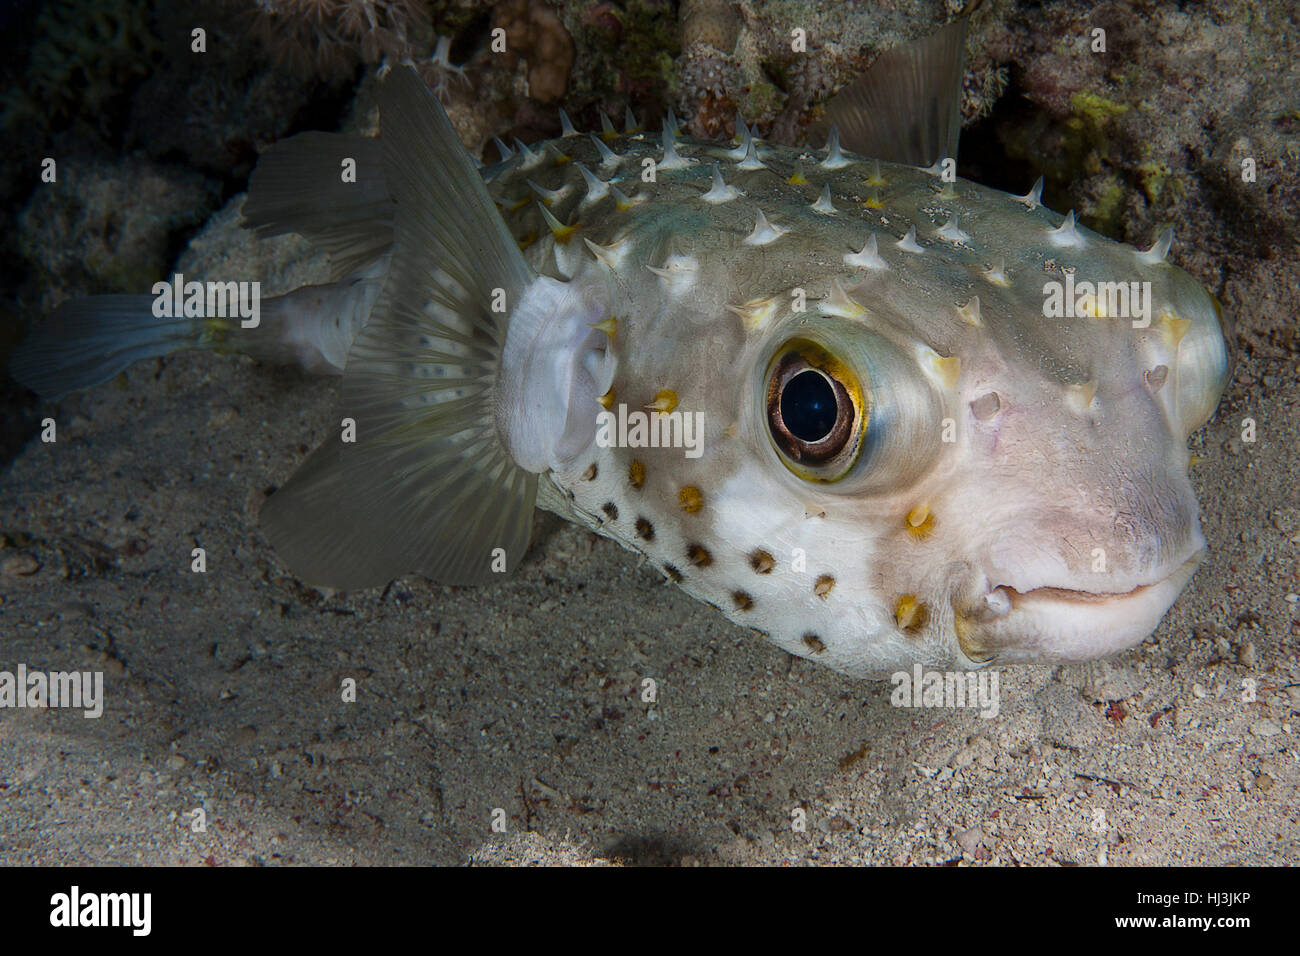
(321, 36)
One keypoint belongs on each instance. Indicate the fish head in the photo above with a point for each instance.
(897, 457)
(904, 496)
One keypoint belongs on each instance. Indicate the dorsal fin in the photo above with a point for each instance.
(907, 107)
(297, 187)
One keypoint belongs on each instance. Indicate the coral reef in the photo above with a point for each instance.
(1155, 129)
(1126, 136)
(82, 238)
(216, 111)
(536, 35)
(87, 52)
(323, 37)
(628, 50)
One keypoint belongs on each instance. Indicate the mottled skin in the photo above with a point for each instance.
(968, 529)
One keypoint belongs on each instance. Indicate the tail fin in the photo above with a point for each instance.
(427, 485)
(88, 341)
(295, 188)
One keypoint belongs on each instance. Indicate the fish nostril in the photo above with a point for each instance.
(997, 602)
(986, 406)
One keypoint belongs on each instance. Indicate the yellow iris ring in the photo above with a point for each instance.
(817, 357)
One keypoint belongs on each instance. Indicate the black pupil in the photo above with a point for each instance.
(808, 407)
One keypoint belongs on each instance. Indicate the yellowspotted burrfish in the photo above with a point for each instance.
(880, 414)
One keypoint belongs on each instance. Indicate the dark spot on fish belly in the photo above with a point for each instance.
(699, 556)
(636, 474)
(644, 529)
(673, 574)
(814, 643)
(743, 601)
(611, 510)
(761, 561)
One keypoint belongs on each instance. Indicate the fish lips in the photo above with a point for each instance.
(1055, 625)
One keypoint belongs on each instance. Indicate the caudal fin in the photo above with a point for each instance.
(87, 341)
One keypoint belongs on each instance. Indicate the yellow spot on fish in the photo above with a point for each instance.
(755, 313)
(965, 631)
(945, 371)
(876, 179)
(607, 325)
(1080, 396)
(217, 330)
(665, 401)
(873, 202)
(1196, 460)
(691, 499)
(841, 303)
(910, 614)
(609, 255)
(970, 313)
(621, 201)
(636, 473)
(949, 370)
(520, 204)
(919, 521)
(798, 178)
(1173, 327)
(561, 232)
(527, 240)
(998, 275)
(607, 399)
(823, 586)
(1092, 306)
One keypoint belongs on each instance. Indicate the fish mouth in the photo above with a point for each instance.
(1053, 624)
(1071, 596)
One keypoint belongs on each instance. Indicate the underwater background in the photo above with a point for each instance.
(527, 696)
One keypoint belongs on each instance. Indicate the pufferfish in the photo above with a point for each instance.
(817, 389)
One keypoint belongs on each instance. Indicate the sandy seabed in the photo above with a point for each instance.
(522, 702)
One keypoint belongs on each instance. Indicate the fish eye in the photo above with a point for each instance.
(814, 411)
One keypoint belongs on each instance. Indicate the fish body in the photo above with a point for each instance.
(1020, 489)
(866, 408)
